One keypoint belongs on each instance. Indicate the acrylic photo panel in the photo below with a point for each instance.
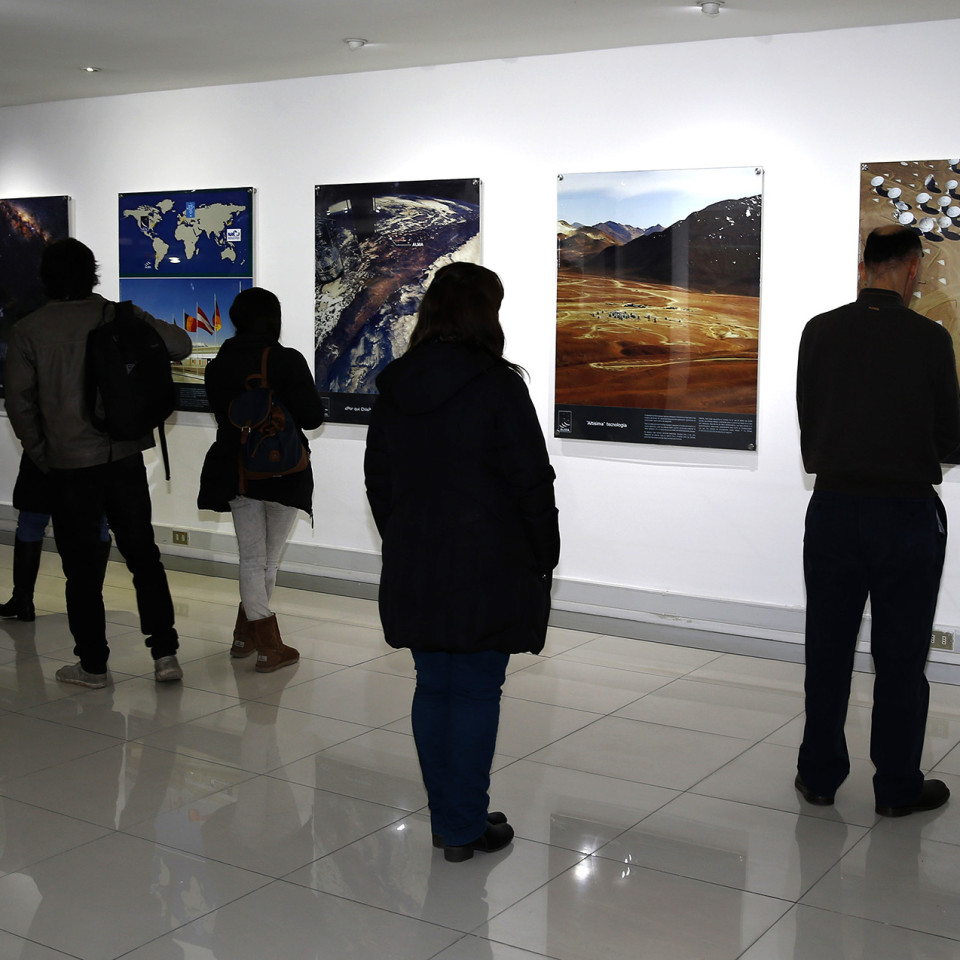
(377, 248)
(27, 225)
(658, 307)
(187, 233)
(184, 256)
(200, 305)
(923, 195)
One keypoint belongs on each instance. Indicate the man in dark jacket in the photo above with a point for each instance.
(91, 475)
(879, 409)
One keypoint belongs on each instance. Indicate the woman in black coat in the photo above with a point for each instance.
(461, 490)
(265, 512)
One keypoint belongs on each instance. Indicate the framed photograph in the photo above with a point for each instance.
(27, 225)
(377, 248)
(923, 195)
(658, 307)
(184, 256)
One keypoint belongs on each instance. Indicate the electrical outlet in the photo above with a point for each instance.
(942, 640)
(182, 537)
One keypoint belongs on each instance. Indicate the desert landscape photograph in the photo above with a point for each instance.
(658, 290)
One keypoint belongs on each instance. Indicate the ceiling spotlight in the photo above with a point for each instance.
(710, 8)
(91, 69)
(355, 43)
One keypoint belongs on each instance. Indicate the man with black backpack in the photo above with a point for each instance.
(92, 473)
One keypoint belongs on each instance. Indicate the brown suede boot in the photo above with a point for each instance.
(272, 652)
(243, 642)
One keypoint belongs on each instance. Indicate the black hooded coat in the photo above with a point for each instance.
(461, 490)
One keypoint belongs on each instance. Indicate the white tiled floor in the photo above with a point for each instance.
(245, 817)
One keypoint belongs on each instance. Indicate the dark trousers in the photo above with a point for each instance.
(456, 715)
(119, 491)
(890, 549)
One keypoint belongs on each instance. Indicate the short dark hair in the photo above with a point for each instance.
(887, 246)
(68, 270)
(462, 303)
(256, 311)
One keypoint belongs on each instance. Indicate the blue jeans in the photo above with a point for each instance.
(31, 527)
(890, 549)
(456, 714)
(82, 497)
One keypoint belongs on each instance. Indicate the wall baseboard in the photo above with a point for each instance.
(705, 623)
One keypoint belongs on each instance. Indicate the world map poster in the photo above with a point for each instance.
(184, 256)
(658, 307)
(378, 246)
(27, 225)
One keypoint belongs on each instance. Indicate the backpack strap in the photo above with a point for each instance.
(162, 433)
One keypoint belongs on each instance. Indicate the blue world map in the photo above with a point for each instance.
(196, 233)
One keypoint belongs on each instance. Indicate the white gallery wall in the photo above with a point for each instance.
(648, 533)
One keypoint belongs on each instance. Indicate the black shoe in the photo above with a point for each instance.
(818, 800)
(935, 793)
(495, 818)
(21, 609)
(495, 837)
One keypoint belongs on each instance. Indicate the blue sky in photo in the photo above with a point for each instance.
(167, 299)
(646, 198)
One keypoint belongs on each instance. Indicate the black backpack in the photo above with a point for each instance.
(270, 444)
(130, 389)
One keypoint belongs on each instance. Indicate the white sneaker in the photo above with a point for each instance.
(166, 669)
(74, 673)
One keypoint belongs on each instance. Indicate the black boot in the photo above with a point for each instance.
(26, 566)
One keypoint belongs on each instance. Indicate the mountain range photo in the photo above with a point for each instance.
(660, 317)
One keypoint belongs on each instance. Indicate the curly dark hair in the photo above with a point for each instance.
(68, 270)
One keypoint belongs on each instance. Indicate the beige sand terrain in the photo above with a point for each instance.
(625, 343)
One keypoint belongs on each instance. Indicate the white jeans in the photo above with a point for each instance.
(262, 530)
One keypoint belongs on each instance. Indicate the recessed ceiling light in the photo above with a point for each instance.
(711, 8)
(355, 43)
(91, 69)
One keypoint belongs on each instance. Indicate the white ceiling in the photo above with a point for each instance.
(142, 45)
